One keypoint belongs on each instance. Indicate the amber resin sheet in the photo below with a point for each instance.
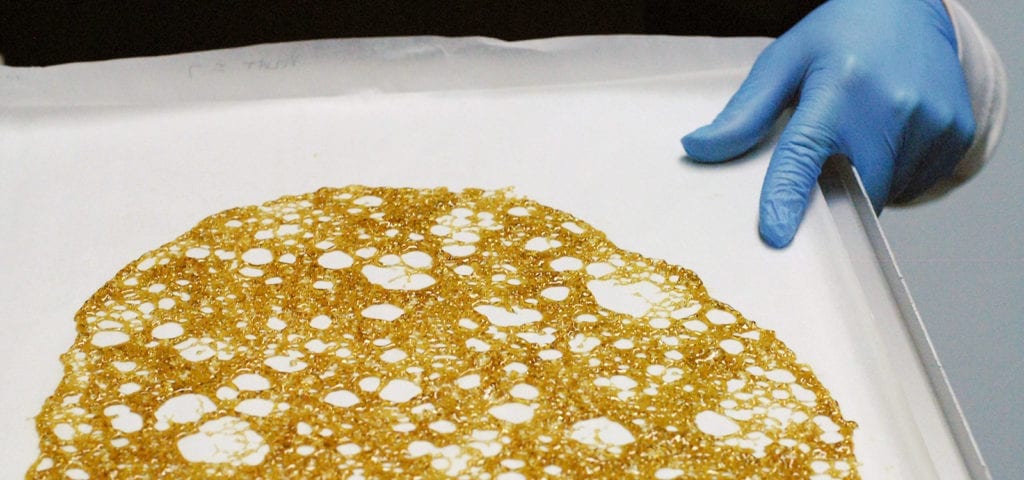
(405, 333)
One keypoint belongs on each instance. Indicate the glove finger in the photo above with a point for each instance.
(884, 141)
(874, 159)
(748, 117)
(937, 162)
(907, 161)
(806, 142)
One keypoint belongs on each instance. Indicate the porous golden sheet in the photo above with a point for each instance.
(399, 333)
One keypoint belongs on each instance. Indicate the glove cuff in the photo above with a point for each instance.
(987, 86)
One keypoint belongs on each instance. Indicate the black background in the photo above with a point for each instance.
(60, 31)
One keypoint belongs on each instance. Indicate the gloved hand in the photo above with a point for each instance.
(878, 81)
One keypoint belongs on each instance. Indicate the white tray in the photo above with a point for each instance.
(104, 161)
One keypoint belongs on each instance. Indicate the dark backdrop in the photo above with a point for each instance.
(46, 32)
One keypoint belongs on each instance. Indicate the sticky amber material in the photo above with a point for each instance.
(399, 333)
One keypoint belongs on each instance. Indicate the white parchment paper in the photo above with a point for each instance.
(102, 162)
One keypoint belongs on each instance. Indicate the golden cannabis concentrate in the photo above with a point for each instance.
(398, 333)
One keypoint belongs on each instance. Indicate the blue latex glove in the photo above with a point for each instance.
(878, 81)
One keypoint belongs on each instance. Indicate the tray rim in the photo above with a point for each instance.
(860, 231)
